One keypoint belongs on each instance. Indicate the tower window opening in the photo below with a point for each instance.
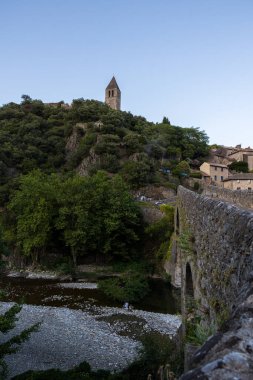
(109, 93)
(112, 92)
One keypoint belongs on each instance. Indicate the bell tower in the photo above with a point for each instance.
(113, 95)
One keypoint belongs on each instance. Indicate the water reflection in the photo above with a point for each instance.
(163, 298)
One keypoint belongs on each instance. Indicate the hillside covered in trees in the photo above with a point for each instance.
(89, 137)
(66, 175)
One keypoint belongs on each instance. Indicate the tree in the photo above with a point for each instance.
(98, 215)
(7, 323)
(137, 173)
(3, 248)
(26, 99)
(121, 220)
(182, 169)
(239, 166)
(33, 206)
(73, 217)
(165, 120)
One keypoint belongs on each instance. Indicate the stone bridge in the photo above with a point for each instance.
(211, 259)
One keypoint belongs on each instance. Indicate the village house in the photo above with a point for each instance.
(214, 173)
(239, 181)
(242, 154)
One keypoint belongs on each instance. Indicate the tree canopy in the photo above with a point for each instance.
(35, 135)
(95, 215)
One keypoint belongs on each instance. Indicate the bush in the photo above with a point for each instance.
(131, 286)
(196, 175)
(239, 166)
(158, 350)
(196, 186)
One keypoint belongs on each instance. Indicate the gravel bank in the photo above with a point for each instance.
(78, 285)
(67, 337)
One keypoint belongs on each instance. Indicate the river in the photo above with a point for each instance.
(83, 325)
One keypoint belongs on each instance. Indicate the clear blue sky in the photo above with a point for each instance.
(189, 60)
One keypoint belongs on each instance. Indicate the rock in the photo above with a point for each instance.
(65, 331)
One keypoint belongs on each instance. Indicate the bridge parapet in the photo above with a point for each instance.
(214, 251)
(242, 198)
(215, 239)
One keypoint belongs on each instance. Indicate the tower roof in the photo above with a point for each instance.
(112, 84)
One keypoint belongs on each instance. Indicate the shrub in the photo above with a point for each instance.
(131, 286)
(196, 186)
(196, 175)
(239, 166)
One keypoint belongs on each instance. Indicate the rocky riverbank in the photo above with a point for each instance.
(105, 337)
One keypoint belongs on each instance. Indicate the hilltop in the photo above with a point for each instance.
(89, 136)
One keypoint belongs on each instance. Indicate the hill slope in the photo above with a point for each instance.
(87, 137)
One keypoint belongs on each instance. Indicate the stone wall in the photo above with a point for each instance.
(215, 239)
(151, 214)
(242, 198)
(214, 251)
(229, 353)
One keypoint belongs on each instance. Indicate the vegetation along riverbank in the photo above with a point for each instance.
(87, 198)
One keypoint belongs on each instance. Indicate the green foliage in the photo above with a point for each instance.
(158, 234)
(196, 186)
(7, 323)
(239, 166)
(196, 175)
(166, 120)
(138, 173)
(34, 135)
(3, 247)
(157, 350)
(182, 169)
(131, 286)
(82, 150)
(185, 240)
(81, 372)
(90, 214)
(34, 206)
(197, 332)
(64, 266)
(133, 143)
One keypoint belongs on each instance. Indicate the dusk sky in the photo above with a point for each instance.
(189, 60)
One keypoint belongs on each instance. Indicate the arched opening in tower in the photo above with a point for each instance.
(188, 281)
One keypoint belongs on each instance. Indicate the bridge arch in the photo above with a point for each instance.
(189, 289)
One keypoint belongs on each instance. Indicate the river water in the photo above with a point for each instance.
(162, 298)
(83, 324)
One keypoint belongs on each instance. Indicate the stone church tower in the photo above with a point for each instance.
(113, 95)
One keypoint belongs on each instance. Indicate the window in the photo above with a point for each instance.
(112, 92)
(221, 178)
(109, 93)
(215, 168)
(221, 169)
(215, 177)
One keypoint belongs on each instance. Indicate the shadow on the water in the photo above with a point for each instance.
(162, 298)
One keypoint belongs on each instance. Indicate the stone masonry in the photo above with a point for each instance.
(213, 250)
(242, 198)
